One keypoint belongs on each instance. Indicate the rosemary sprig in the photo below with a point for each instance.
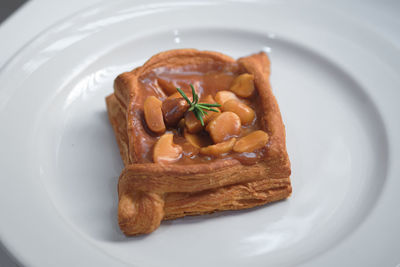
(199, 109)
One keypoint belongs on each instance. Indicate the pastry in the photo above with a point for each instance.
(180, 161)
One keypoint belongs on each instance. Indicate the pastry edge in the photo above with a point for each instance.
(152, 197)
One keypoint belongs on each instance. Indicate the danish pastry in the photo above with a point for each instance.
(217, 143)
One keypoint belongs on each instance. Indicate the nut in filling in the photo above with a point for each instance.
(197, 140)
(243, 85)
(253, 141)
(224, 126)
(223, 96)
(202, 130)
(193, 124)
(153, 114)
(218, 149)
(165, 151)
(245, 113)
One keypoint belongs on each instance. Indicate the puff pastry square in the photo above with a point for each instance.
(150, 192)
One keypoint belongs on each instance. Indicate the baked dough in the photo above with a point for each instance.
(150, 192)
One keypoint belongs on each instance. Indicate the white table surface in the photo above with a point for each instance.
(37, 15)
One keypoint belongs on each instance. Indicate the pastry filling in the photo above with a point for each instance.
(218, 121)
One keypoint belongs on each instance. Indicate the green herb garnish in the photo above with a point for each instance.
(199, 109)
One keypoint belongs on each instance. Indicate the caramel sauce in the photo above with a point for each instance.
(207, 79)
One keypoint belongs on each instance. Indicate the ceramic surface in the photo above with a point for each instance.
(338, 102)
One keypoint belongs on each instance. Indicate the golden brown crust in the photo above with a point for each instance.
(258, 65)
(116, 115)
(234, 197)
(150, 192)
(151, 177)
(140, 212)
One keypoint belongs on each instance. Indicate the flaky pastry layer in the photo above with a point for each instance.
(150, 192)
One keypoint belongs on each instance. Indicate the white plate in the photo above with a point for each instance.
(337, 86)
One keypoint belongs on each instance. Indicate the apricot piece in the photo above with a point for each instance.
(153, 114)
(243, 85)
(251, 142)
(223, 96)
(197, 140)
(224, 126)
(218, 149)
(173, 110)
(245, 113)
(165, 151)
